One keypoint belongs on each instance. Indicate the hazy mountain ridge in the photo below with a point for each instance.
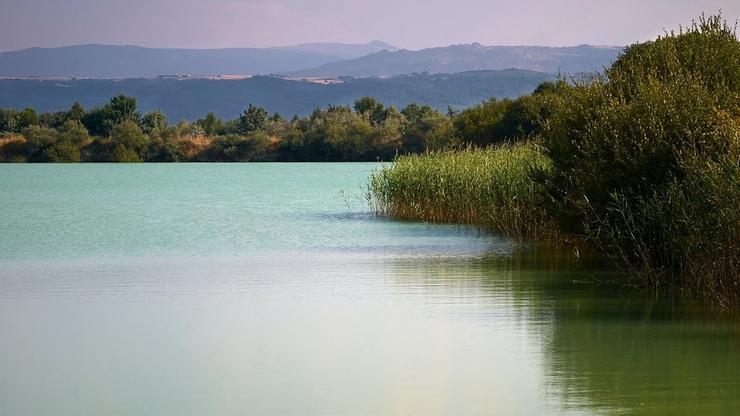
(192, 99)
(112, 61)
(471, 57)
(375, 58)
(341, 50)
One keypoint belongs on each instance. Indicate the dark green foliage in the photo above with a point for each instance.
(480, 125)
(647, 159)
(707, 53)
(129, 142)
(8, 121)
(551, 87)
(233, 148)
(27, 118)
(370, 107)
(211, 124)
(37, 140)
(153, 121)
(498, 121)
(425, 128)
(253, 119)
(121, 108)
(74, 132)
(76, 112)
(62, 152)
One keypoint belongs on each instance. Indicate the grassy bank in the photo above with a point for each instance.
(494, 187)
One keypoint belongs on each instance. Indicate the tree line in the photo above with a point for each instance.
(366, 131)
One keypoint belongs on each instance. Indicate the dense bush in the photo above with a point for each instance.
(646, 159)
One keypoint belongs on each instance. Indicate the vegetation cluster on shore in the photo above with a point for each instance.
(642, 162)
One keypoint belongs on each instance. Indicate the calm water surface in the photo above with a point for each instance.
(267, 289)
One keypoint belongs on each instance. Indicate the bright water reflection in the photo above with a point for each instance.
(261, 289)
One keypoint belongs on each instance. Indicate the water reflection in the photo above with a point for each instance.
(525, 332)
(605, 349)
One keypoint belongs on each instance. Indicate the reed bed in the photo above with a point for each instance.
(495, 187)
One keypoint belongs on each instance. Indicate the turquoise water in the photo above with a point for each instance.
(267, 289)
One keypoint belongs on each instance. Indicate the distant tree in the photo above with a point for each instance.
(100, 121)
(122, 154)
(74, 132)
(76, 112)
(154, 121)
(253, 119)
(8, 121)
(53, 120)
(185, 129)
(551, 87)
(372, 108)
(62, 152)
(425, 128)
(211, 124)
(480, 124)
(128, 140)
(26, 118)
(122, 108)
(37, 139)
(95, 122)
(525, 117)
(234, 148)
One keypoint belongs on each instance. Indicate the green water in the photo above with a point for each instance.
(267, 289)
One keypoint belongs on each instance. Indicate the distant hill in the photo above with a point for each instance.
(192, 99)
(107, 61)
(341, 50)
(470, 57)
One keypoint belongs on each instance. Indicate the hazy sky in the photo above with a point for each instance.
(410, 24)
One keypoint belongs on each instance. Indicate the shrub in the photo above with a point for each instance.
(646, 159)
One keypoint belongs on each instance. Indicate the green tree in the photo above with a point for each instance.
(480, 124)
(37, 139)
(74, 132)
(373, 109)
(128, 141)
(154, 121)
(100, 121)
(211, 124)
(27, 118)
(8, 121)
(76, 112)
(425, 128)
(62, 152)
(122, 108)
(253, 119)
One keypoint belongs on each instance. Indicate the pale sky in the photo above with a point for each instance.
(412, 24)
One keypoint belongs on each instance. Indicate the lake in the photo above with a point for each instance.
(270, 289)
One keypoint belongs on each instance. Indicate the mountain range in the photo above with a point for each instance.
(471, 57)
(111, 61)
(308, 60)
